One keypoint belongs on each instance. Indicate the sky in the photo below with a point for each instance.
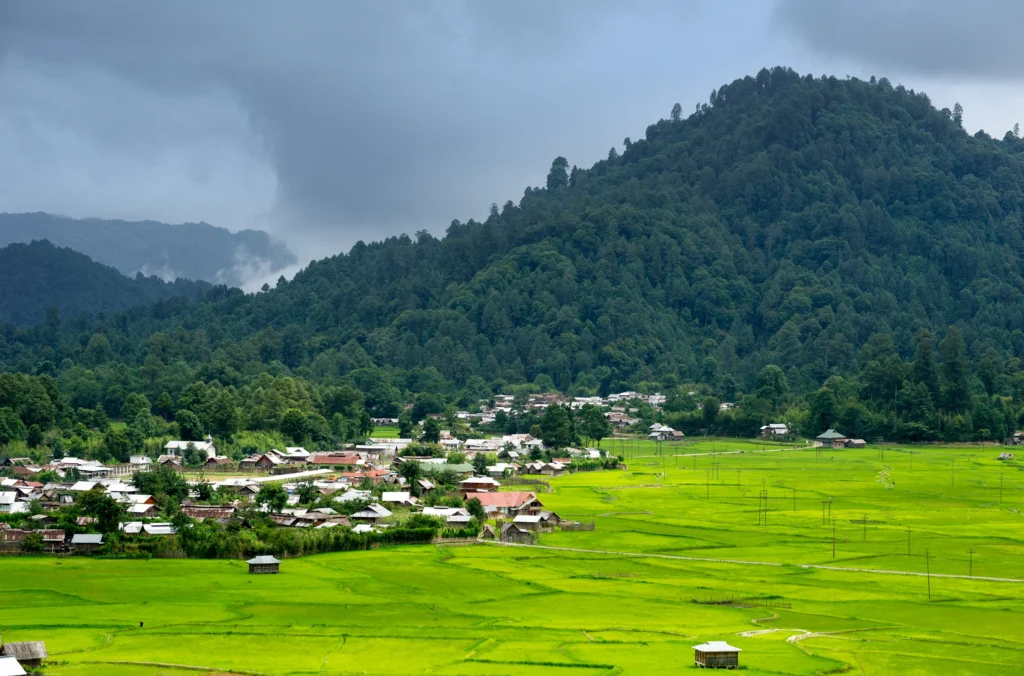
(325, 122)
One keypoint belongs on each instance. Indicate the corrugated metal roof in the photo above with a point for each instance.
(9, 666)
(262, 561)
(87, 539)
(717, 647)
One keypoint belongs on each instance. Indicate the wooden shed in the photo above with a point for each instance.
(264, 565)
(86, 542)
(29, 653)
(716, 655)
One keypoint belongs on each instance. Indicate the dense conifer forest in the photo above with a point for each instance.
(823, 251)
(39, 277)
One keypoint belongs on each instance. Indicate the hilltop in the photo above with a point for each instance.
(39, 276)
(785, 221)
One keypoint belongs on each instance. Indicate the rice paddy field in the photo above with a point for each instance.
(692, 542)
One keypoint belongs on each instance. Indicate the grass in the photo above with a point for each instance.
(385, 432)
(527, 611)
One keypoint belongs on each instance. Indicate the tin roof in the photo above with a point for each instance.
(262, 561)
(86, 539)
(9, 666)
(717, 647)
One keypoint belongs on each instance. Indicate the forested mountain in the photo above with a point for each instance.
(38, 276)
(834, 227)
(189, 250)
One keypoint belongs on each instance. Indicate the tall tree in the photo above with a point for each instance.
(924, 370)
(956, 391)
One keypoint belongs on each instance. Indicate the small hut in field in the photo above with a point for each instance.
(264, 565)
(716, 655)
(29, 653)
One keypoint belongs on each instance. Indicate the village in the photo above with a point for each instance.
(367, 489)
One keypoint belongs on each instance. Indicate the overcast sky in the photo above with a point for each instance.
(329, 121)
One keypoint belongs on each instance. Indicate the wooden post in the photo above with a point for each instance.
(833, 538)
(928, 572)
(908, 540)
(970, 569)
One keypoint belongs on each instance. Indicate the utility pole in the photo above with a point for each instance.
(928, 572)
(865, 528)
(908, 540)
(738, 478)
(794, 499)
(707, 478)
(952, 467)
(833, 538)
(970, 569)
(1000, 487)
(911, 461)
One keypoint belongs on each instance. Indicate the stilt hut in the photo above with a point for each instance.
(264, 565)
(716, 655)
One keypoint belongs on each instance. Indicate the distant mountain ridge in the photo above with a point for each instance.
(187, 250)
(38, 276)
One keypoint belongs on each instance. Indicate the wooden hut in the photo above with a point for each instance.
(264, 565)
(86, 542)
(29, 653)
(831, 439)
(716, 655)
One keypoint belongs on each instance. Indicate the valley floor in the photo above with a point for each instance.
(520, 610)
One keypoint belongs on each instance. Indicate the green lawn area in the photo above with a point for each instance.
(675, 534)
(385, 432)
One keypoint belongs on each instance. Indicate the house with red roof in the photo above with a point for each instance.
(510, 503)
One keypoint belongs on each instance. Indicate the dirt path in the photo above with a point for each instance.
(762, 563)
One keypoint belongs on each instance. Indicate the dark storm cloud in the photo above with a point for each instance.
(328, 121)
(936, 38)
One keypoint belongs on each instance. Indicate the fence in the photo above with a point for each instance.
(744, 602)
(576, 526)
(523, 481)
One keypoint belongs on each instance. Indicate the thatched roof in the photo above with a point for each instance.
(29, 650)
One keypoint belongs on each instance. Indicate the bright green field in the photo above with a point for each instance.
(504, 610)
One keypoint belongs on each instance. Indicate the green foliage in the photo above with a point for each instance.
(556, 427)
(108, 512)
(821, 226)
(163, 483)
(293, 424)
(431, 431)
(38, 276)
(272, 497)
(190, 427)
(592, 424)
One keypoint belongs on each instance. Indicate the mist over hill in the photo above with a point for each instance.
(187, 250)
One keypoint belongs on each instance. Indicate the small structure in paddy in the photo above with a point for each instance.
(264, 565)
(716, 655)
(832, 439)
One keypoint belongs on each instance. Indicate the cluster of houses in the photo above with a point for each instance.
(356, 474)
(505, 403)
